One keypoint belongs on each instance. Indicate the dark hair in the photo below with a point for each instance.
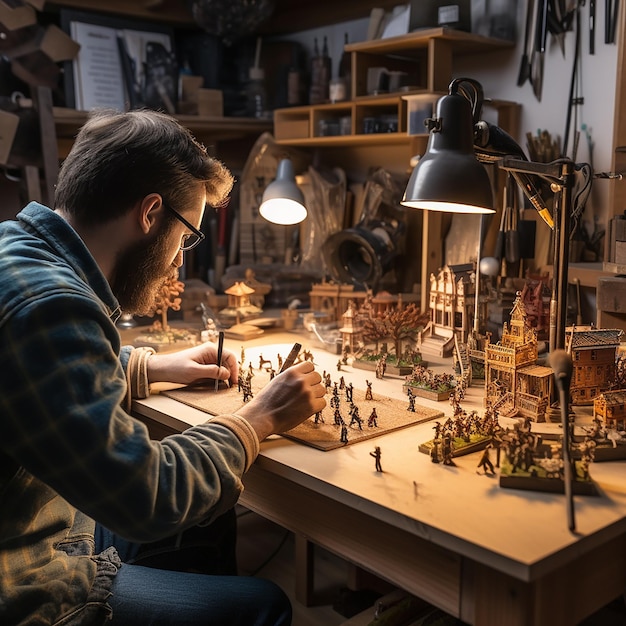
(119, 158)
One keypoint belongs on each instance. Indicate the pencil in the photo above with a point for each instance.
(289, 361)
(220, 348)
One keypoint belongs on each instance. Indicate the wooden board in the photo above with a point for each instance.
(392, 413)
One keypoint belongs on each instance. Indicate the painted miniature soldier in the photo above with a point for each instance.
(411, 406)
(243, 355)
(485, 462)
(338, 419)
(339, 365)
(372, 420)
(280, 362)
(349, 389)
(368, 393)
(342, 383)
(437, 429)
(354, 414)
(344, 433)
(376, 454)
(434, 452)
(447, 449)
(318, 417)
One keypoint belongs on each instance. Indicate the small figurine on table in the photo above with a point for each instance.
(355, 417)
(372, 420)
(339, 365)
(344, 433)
(376, 454)
(447, 449)
(434, 452)
(349, 392)
(411, 406)
(318, 418)
(485, 462)
(368, 393)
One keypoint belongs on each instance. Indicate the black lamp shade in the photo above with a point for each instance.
(449, 177)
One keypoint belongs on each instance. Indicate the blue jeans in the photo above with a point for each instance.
(170, 591)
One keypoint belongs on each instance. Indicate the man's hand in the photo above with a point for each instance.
(193, 365)
(286, 401)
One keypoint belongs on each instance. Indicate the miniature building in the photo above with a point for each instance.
(350, 333)
(452, 294)
(610, 407)
(514, 383)
(536, 298)
(333, 299)
(593, 353)
(239, 306)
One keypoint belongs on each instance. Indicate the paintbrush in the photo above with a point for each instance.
(220, 348)
(291, 357)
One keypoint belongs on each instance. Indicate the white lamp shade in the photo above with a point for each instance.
(283, 202)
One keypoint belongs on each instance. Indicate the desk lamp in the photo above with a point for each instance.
(283, 202)
(448, 177)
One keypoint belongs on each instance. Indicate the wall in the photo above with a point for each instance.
(498, 74)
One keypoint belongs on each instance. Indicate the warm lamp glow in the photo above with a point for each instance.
(449, 177)
(283, 202)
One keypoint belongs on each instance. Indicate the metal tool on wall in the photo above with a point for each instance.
(525, 64)
(539, 53)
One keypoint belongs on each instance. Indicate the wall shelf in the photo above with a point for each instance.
(209, 130)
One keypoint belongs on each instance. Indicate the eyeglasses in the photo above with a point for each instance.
(192, 239)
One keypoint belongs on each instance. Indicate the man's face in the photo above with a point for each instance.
(141, 270)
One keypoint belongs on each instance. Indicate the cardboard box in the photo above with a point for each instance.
(211, 102)
(13, 18)
(291, 129)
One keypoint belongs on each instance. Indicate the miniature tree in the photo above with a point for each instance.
(167, 297)
(374, 330)
(403, 323)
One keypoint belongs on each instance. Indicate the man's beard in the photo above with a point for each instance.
(138, 274)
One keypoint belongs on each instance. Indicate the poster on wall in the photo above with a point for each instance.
(121, 64)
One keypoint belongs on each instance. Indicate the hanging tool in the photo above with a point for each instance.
(499, 251)
(511, 242)
(592, 26)
(524, 70)
(572, 102)
(541, 36)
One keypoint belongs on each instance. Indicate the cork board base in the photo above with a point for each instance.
(392, 413)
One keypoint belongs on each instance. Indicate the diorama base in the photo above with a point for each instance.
(461, 447)
(166, 341)
(420, 392)
(393, 370)
(392, 414)
(609, 452)
(243, 332)
(548, 485)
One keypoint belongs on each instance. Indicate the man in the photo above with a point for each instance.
(77, 472)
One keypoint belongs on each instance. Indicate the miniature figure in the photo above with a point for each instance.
(372, 420)
(485, 462)
(344, 433)
(376, 454)
(349, 389)
(263, 362)
(368, 393)
(354, 415)
(411, 406)
(447, 449)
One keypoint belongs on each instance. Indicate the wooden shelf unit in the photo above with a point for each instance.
(427, 55)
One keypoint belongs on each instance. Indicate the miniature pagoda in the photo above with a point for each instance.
(514, 383)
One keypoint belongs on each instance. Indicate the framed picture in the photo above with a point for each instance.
(122, 64)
